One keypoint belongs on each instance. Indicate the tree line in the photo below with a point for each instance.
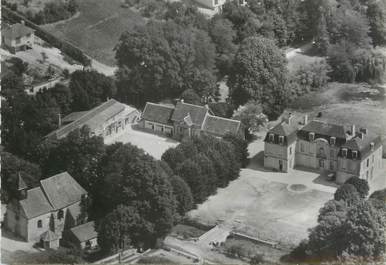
(351, 228)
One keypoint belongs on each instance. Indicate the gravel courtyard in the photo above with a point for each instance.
(153, 144)
(263, 209)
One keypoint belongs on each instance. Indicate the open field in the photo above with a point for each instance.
(154, 145)
(98, 27)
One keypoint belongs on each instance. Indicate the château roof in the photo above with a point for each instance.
(325, 129)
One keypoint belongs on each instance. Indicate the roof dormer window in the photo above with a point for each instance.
(354, 154)
(344, 152)
(281, 139)
(271, 137)
(311, 136)
(332, 141)
(372, 146)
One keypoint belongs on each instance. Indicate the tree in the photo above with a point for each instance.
(364, 232)
(361, 185)
(182, 193)
(221, 109)
(117, 228)
(251, 116)
(190, 172)
(134, 179)
(259, 73)
(78, 153)
(241, 147)
(379, 195)
(89, 89)
(347, 193)
(161, 60)
(223, 35)
(13, 167)
(257, 259)
(376, 14)
(189, 96)
(322, 37)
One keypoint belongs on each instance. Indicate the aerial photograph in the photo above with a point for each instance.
(195, 132)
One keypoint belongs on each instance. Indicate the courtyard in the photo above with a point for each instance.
(153, 145)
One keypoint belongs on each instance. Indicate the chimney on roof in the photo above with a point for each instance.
(290, 117)
(59, 120)
(353, 130)
(305, 119)
(22, 22)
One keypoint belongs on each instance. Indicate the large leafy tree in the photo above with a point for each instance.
(259, 73)
(251, 116)
(78, 153)
(361, 185)
(134, 179)
(119, 229)
(182, 193)
(161, 60)
(376, 13)
(89, 89)
(13, 167)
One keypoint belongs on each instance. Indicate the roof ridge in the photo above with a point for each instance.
(228, 119)
(194, 105)
(157, 104)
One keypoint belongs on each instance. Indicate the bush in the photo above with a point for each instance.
(361, 185)
(257, 259)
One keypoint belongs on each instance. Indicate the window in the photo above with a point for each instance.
(40, 224)
(367, 175)
(332, 140)
(368, 162)
(311, 136)
(344, 152)
(60, 214)
(290, 150)
(301, 147)
(332, 153)
(271, 137)
(354, 154)
(281, 139)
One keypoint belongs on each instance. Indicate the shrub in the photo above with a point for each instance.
(361, 185)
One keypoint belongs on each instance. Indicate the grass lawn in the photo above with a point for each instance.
(261, 208)
(98, 27)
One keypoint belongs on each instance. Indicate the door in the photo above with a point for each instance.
(280, 165)
(321, 163)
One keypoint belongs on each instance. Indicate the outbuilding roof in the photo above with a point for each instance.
(220, 126)
(62, 190)
(16, 31)
(157, 113)
(197, 113)
(84, 232)
(92, 118)
(35, 204)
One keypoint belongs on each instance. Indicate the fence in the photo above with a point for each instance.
(66, 47)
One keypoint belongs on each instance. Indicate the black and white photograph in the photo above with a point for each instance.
(195, 132)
